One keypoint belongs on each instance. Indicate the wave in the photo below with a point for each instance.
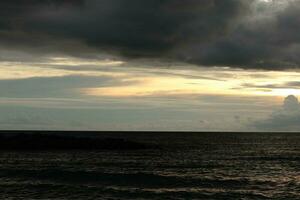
(132, 179)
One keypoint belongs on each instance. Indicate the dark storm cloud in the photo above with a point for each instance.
(141, 28)
(264, 43)
(13, 11)
(209, 32)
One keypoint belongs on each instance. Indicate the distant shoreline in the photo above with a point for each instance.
(127, 140)
(31, 140)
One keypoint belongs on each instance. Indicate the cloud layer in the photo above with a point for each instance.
(235, 33)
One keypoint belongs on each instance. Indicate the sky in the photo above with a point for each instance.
(157, 65)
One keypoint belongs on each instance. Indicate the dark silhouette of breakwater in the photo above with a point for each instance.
(47, 141)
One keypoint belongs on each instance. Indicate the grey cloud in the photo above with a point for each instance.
(141, 28)
(295, 84)
(280, 122)
(287, 118)
(290, 85)
(291, 104)
(207, 32)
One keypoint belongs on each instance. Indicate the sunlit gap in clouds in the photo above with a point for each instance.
(141, 79)
(79, 62)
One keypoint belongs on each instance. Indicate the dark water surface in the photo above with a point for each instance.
(187, 166)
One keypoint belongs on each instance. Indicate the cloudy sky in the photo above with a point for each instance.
(193, 65)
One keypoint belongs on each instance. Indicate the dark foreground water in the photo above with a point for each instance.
(187, 166)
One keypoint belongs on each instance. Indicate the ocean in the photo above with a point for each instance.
(206, 166)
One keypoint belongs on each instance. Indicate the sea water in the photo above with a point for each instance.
(182, 166)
